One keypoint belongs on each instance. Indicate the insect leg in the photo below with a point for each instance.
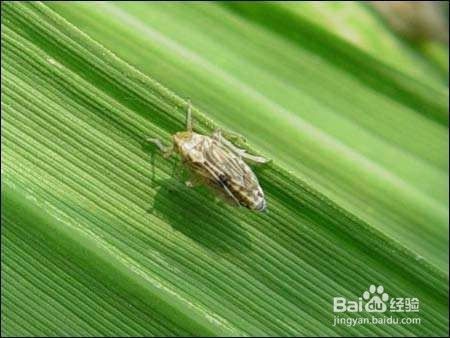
(167, 151)
(217, 135)
(193, 181)
(254, 159)
(234, 136)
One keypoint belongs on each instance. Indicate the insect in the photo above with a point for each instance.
(218, 164)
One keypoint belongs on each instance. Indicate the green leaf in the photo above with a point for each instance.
(99, 238)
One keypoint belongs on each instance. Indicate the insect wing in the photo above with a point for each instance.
(234, 176)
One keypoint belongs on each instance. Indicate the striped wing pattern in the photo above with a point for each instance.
(225, 172)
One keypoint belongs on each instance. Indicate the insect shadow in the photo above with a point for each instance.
(199, 218)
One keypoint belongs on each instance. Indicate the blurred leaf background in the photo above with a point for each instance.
(98, 238)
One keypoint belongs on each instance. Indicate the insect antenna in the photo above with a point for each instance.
(189, 117)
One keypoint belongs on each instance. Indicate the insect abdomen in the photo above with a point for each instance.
(250, 198)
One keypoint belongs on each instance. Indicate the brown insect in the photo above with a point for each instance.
(217, 163)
